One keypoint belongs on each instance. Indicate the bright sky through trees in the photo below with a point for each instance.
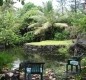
(36, 2)
(56, 5)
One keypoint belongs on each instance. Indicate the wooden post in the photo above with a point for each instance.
(75, 7)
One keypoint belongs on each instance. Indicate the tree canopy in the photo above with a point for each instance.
(35, 23)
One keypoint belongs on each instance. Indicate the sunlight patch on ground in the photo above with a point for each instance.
(51, 42)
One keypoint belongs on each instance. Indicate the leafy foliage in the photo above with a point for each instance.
(1, 2)
(10, 2)
(8, 29)
(76, 22)
(5, 60)
(42, 20)
(28, 37)
(63, 51)
(27, 7)
(61, 36)
(37, 23)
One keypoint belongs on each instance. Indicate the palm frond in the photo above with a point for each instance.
(43, 29)
(34, 25)
(32, 12)
(38, 31)
(61, 25)
(46, 25)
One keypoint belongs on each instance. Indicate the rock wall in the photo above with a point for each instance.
(42, 49)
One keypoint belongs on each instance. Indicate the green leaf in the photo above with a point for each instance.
(1, 2)
(22, 2)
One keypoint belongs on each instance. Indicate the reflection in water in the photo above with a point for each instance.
(52, 61)
(16, 64)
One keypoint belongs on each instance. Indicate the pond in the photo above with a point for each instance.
(58, 67)
(15, 64)
(53, 62)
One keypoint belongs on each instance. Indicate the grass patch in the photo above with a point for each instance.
(51, 42)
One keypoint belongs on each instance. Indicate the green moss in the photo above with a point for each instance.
(51, 42)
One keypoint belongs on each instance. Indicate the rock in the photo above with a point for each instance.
(41, 49)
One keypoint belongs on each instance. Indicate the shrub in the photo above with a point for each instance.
(61, 36)
(28, 37)
(79, 21)
(5, 60)
(9, 55)
(63, 51)
(82, 75)
(65, 19)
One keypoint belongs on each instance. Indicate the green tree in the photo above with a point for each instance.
(45, 19)
(8, 28)
(78, 24)
(75, 5)
(10, 2)
(62, 5)
(26, 7)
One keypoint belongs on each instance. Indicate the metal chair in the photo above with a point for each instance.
(32, 68)
(74, 61)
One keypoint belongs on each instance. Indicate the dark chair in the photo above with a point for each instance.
(32, 68)
(74, 61)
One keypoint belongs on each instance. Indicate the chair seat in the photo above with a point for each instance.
(74, 62)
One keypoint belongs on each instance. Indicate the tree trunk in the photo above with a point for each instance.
(85, 5)
(75, 7)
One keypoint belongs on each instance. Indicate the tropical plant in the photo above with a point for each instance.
(26, 8)
(44, 20)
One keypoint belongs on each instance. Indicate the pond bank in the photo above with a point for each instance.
(54, 61)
